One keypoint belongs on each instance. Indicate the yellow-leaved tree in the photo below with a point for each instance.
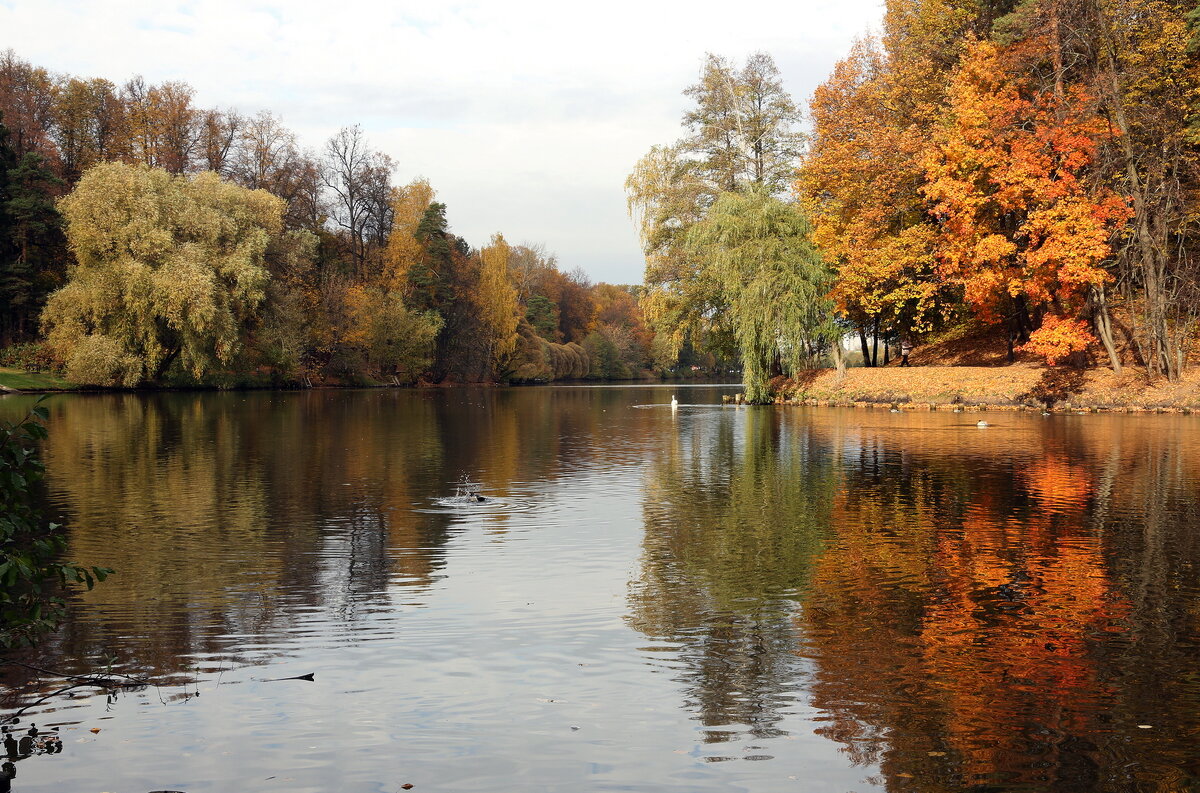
(403, 249)
(497, 298)
(167, 268)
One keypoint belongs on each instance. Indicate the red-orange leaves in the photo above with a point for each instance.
(1017, 218)
(1058, 337)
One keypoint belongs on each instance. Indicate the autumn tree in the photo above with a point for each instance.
(168, 267)
(261, 151)
(162, 124)
(27, 101)
(529, 264)
(740, 129)
(89, 125)
(1022, 229)
(1148, 84)
(497, 300)
(394, 340)
(219, 132)
(571, 294)
(403, 250)
(862, 175)
(860, 182)
(621, 331)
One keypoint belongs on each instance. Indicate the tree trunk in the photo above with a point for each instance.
(165, 363)
(1056, 57)
(776, 364)
(1152, 260)
(866, 351)
(1024, 321)
(875, 343)
(1104, 328)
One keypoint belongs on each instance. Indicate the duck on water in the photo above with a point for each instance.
(469, 492)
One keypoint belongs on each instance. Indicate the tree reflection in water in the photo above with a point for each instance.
(964, 612)
(735, 511)
(239, 515)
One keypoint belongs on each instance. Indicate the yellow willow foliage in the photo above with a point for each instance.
(497, 298)
(666, 197)
(408, 205)
(168, 267)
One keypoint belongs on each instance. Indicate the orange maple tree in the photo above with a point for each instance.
(858, 183)
(1021, 227)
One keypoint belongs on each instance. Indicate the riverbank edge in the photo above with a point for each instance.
(321, 386)
(1019, 387)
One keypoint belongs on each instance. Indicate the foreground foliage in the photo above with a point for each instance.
(32, 579)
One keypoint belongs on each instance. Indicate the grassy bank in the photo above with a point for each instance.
(18, 380)
(1020, 386)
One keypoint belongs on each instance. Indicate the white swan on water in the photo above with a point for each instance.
(674, 402)
(982, 424)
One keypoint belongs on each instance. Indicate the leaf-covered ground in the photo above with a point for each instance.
(1026, 384)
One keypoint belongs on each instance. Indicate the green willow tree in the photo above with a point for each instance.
(757, 249)
(168, 268)
(739, 135)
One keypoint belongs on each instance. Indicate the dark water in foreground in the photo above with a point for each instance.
(712, 599)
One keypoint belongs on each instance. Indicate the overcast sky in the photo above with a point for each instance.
(525, 116)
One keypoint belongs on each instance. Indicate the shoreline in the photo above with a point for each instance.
(1017, 387)
(7, 390)
(1013, 388)
(916, 407)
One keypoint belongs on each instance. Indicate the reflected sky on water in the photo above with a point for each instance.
(707, 598)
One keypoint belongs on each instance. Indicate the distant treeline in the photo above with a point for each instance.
(144, 239)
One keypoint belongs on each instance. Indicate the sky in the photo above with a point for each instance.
(525, 116)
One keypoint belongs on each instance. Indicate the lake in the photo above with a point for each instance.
(702, 599)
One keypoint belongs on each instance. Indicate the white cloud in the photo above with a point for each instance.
(526, 116)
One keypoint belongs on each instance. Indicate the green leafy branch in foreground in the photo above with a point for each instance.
(32, 580)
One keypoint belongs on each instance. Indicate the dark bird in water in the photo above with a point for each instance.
(309, 677)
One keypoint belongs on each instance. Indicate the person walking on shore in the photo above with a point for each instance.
(906, 346)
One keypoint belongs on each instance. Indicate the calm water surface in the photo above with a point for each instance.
(707, 599)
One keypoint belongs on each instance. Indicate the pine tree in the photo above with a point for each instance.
(32, 246)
